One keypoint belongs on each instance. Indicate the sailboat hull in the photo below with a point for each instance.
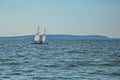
(39, 43)
(36, 43)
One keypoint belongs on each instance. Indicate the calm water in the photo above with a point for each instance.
(60, 60)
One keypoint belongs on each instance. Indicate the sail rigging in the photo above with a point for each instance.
(37, 36)
(44, 36)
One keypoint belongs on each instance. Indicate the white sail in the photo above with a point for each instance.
(37, 36)
(44, 36)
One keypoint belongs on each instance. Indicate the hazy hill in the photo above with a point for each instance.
(58, 37)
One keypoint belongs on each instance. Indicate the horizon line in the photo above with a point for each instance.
(60, 34)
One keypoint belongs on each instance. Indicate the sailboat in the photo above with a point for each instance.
(37, 37)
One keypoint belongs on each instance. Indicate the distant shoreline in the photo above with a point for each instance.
(60, 37)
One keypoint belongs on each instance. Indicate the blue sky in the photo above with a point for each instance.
(77, 17)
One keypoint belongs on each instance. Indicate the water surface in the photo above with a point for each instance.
(60, 60)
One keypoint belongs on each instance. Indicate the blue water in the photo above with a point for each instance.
(60, 60)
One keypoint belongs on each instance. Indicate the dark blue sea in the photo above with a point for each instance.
(60, 60)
